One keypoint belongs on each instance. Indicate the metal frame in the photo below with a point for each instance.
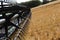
(21, 10)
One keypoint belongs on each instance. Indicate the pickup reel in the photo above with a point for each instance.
(8, 14)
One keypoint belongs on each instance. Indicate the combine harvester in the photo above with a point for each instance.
(12, 17)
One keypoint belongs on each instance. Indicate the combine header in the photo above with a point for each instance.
(12, 17)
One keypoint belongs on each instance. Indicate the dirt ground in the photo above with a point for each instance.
(44, 23)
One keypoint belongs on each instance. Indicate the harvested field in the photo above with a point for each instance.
(44, 23)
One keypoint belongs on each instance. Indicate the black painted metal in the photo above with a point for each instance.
(21, 10)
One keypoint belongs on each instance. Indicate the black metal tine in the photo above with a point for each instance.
(14, 25)
(10, 16)
(20, 13)
(19, 37)
(18, 21)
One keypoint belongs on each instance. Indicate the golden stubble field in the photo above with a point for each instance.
(44, 23)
